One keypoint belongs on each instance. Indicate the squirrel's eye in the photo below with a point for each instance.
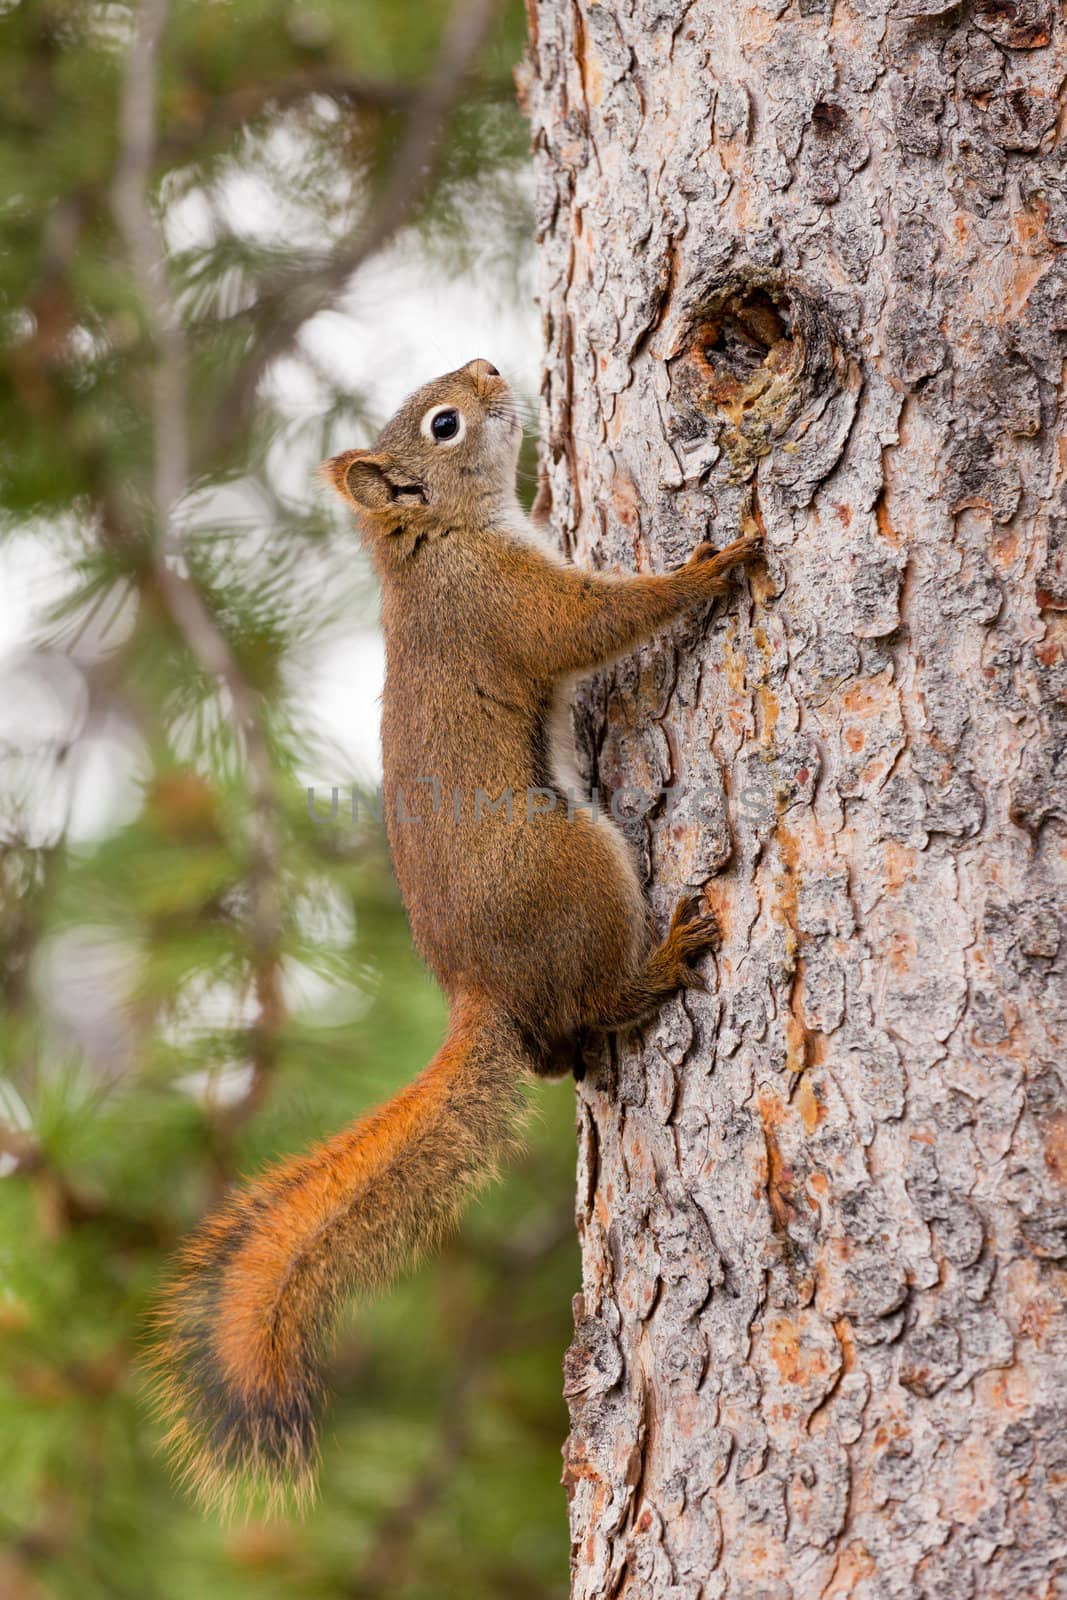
(443, 425)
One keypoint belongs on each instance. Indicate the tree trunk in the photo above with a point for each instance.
(804, 267)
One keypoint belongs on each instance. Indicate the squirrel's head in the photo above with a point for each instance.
(446, 460)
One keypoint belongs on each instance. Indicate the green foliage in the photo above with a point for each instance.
(145, 1063)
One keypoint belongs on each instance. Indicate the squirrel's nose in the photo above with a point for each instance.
(482, 369)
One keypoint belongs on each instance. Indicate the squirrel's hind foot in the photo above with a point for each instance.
(693, 933)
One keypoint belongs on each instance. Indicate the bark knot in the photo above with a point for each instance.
(761, 358)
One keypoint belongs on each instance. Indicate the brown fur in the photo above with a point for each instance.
(533, 923)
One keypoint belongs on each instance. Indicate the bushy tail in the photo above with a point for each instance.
(243, 1325)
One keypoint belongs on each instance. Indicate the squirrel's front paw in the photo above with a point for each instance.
(732, 555)
(743, 549)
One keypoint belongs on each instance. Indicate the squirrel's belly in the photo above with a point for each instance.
(564, 764)
(562, 757)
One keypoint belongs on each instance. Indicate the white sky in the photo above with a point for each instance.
(404, 322)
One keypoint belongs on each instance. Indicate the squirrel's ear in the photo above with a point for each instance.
(372, 481)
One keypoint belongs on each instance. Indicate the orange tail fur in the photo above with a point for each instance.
(242, 1326)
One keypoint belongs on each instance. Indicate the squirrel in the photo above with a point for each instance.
(530, 915)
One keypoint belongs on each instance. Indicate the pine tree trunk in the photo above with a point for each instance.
(803, 267)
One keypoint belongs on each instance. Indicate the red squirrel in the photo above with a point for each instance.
(531, 917)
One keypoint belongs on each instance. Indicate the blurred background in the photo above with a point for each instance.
(234, 234)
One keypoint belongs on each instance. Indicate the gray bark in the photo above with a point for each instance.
(804, 265)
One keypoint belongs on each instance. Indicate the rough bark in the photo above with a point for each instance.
(804, 264)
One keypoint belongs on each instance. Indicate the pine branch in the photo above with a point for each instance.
(227, 113)
(180, 594)
(496, 1329)
(297, 299)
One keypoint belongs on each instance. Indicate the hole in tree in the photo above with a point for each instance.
(755, 364)
(742, 344)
